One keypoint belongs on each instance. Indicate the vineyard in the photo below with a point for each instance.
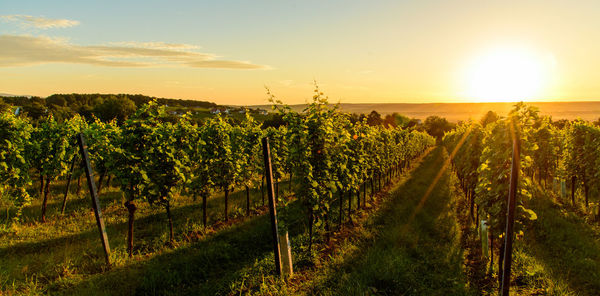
(154, 162)
(185, 204)
(559, 167)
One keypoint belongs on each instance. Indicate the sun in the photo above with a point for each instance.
(506, 74)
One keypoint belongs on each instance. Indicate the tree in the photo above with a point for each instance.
(374, 118)
(436, 126)
(35, 110)
(3, 105)
(401, 120)
(488, 118)
(56, 100)
(414, 123)
(115, 108)
(390, 121)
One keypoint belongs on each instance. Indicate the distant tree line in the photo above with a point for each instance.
(102, 106)
(107, 107)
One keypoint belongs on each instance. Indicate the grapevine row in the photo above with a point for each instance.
(551, 153)
(156, 160)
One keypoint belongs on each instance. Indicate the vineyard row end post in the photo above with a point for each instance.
(510, 216)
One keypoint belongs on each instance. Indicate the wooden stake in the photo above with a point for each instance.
(272, 209)
(510, 217)
(94, 194)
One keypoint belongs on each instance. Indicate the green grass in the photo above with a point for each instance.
(64, 255)
(415, 249)
(565, 247)
(206, 267)
(65, 251)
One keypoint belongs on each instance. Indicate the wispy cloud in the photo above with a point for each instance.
(22, 50)
(39, 22)
(159, 45)
(287, 82)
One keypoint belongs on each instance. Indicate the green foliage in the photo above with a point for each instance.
(102, 139)
(53, 145)
(494, 172)
(482, 156)
(464, 146)
(436, 126)
(330, 152)
(545, 157)
(488, 118)
(15, 133)
(247, 141)
(581, 155)
(136, 144)
(165, 161)
(200, 180)
(3, 105)
(115, 108)
(216, 134)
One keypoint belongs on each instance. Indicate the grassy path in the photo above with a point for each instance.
(565, 247)
(416, 250)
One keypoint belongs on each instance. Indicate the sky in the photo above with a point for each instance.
(228, 52)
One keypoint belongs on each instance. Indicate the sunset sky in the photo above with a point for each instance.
(357, 51)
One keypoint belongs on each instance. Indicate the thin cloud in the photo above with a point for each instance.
(156, 45)
(39, 22)
(21, 50)
(223, 64)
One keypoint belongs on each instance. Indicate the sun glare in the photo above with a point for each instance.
(505, 75)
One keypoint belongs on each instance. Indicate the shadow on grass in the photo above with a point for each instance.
(50, 261)
(203, 268)
(148, 227)
(416, 250)
(566, 245)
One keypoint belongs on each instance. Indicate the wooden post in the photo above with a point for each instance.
(286, 254)
(62, 211)
(94, 194)
(272, 209)
(510, 216)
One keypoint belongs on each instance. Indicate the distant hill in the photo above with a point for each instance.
(462, 111)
